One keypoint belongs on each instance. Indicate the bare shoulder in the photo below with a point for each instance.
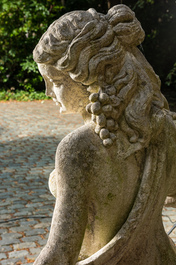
(81, 140)
(77, 151)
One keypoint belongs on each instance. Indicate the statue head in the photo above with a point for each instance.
(84, 43)
(97, 53)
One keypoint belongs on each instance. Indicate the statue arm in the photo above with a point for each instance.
(70, 213)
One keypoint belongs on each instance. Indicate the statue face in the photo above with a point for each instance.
(71, 96)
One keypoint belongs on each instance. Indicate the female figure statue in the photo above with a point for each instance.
(113, 174)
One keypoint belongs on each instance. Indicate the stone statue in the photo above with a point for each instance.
(113, 174)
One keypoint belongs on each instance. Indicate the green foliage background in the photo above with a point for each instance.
(22, 23)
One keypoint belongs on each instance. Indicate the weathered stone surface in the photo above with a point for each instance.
(113, 174)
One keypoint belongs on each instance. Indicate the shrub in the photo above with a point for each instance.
(22, 22)
(21, 95)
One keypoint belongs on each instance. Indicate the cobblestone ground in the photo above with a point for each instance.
(29, 135)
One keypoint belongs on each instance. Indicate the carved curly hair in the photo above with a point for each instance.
(100, 51)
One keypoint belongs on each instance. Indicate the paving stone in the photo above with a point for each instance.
(34, 203)
(24, 245)
(18, 254)
(5, 248)
(9, 241)
(5, 217)
(23, 223)
(50, 214)
(42, 212)
(11, 236)
(42, 242)
(37, 199)
(1, 189)
(6, 211)
(12, 200)
(35, 232)
(3, 231)
(3, 256)
(4, 196)
(16, 206)
(6, 224)
(51, 202)
(42, 200)
(13, 261)
(31, 238)
(45, 196)
(22, 213)
(31, 209)
(33, 257)
(20, 201)
(20, 228)
(35, 250)
(42, 225)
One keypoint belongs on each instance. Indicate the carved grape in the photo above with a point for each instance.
(104, 133)
(101, 120)
(103, 98)
(96, 108)
(107, 142)
(110, 124)
(93, 97)
(111, 90)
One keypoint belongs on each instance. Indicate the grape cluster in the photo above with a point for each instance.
(103, 107)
